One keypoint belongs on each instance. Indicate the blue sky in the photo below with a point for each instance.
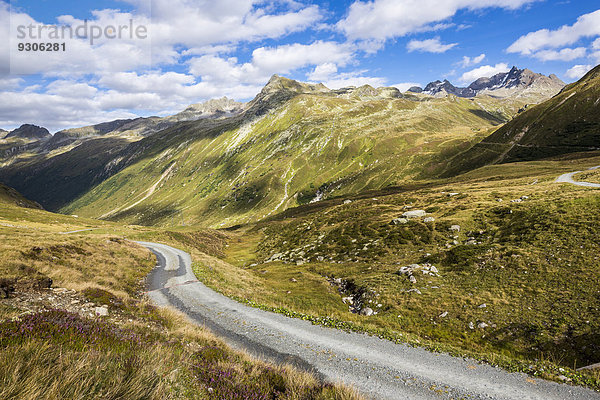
(199, 49)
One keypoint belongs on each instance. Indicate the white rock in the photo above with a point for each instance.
(348, 300)
(412, 279)
(482, 325)
(414, 214)
(101, 311)
(433, 269)
(347, 201)
(444, 314)
(399, 221)
(428, 219)
(366, 311)
(482, 305)
(455, 228)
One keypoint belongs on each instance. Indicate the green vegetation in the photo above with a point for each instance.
(137, 351)
(517, 286)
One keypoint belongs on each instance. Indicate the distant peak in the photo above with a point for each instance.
(29, 131)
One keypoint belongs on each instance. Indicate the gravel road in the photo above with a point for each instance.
(568, 178)
(378, 368)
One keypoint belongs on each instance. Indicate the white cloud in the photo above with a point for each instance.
(385, 19)
(353, 79)
(322, 72)
(565, 54)
(404, 86)
(483, 71)
(429, 45)
(267, 61)
(470, 61)
(578, 71)
(587, 25)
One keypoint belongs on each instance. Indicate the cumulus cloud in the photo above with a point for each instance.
(483, 71)
(470, 61)
(429, 46)
(267, 61)
(322, 72)
(578, 71)
(565, 54)
(587, 25)
(385, 19)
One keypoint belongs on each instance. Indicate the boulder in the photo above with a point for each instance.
(482, 325)
(455, 228)
(101, 311)
(399, 221)
(412, 279)
(367, 311)
(414, 214)
(428, 219)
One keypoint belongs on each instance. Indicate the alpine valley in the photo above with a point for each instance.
(430, 217)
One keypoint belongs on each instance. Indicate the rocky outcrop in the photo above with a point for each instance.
(28, 131)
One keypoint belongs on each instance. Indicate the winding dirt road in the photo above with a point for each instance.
(568, 178)
(378, 368)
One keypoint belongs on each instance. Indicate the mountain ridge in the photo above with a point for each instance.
(512, 83)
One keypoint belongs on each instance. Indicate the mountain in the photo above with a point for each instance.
(28, 131)
(9, 195)
(515, 83)
(226, 163)
(3, 133)
(567, 123)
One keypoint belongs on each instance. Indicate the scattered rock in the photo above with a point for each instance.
(348, 300)
(482, 325)
(482, 305)
(367, 311)
(412, 279)
(453, 194)
(471, 325)
(516, 201)
(293, 280)
(433, 269)
(499, 200)
(524, 197)
(444, 314)
(101, 311)
(455, 228)
(428, 219)
(417, 291)
(347, 201)
(564, 378)
(414, 214)
(399, 221)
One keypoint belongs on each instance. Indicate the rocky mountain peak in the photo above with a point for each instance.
(504, 84)
(28, 131)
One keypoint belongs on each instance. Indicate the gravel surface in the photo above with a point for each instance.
(568, 178)
(378, 368)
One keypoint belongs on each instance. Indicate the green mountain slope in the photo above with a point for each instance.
(10, 196)
(295, 143)
(567, 123)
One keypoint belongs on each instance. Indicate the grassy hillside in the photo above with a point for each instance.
(516, 284)
(9, 195)
(567, 123)
(56, 271)
(294, 145)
